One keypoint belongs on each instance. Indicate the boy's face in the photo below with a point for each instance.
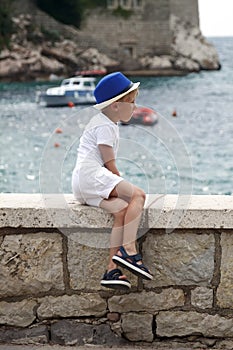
(126, 107)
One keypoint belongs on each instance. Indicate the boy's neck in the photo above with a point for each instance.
(112, 116)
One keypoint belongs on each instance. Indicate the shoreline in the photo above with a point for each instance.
(140, 73)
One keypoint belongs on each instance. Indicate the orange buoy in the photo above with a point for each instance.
(174, 113)
(56, 144)
(70, 104)
(58, 131)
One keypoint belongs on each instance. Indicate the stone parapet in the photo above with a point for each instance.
(53, 253)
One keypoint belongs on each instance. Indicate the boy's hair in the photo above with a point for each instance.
(127, 97)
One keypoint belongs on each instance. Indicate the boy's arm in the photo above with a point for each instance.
(109, 158)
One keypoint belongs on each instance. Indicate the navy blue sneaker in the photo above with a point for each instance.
(112, 280)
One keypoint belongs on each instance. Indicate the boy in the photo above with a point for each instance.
(96, 180)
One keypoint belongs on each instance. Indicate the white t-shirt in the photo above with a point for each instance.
(99, 131)
(91, 181)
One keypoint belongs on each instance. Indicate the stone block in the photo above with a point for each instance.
(86, 264)
(150, 302)
(88, 258)
(86, 304)
(52, 210)
(31, 264)
(186, 211)
(68, 332)
(113, 317)
(34, 335)
(72, 332)
(18, 313)
(225, 289)
(180, 324)
(138, 326)
(179, 258)
(202, 297)
(49, 210)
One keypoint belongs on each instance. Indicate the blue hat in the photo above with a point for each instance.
(111, 88)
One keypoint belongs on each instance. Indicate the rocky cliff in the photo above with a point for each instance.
(42, 48)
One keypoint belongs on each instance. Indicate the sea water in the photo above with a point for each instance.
(190, 153)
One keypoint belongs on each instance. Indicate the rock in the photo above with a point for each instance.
(137, 327)
(32, 54)
(88, 304)
(157, 62)
(56, 54)
(67, 332)
(96, 60)
(71, 332)
(224, 291)
(147, 301)
(189, 43)
(84, 250)
(19, 314)
(65, 52)
(10, 67)
(24, 261)
(51, 66)
(183, 63)
(180, 323)
(202, 297)
(113, 316)
(179, 259)
(34, 335)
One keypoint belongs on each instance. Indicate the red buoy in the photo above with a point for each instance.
(70, 104)
(174, 113)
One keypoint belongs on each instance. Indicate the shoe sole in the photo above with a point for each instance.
(116, 284)
(134, 269)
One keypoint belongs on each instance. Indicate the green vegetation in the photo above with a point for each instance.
(69, 12)
(51, 35)
(6, 25)
(119, 11)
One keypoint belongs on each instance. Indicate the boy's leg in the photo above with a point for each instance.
(126, 221)
(136, 199)
(117, 207)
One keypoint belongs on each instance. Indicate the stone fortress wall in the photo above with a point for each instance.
(53, 254)
(147, 31)
(159, 38)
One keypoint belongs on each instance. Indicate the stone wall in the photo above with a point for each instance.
(147, 31)
(53, 254)
(186, 10)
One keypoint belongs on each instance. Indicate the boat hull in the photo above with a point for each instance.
(60, 101)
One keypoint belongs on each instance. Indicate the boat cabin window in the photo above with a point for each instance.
(87, 83)
(76, 82)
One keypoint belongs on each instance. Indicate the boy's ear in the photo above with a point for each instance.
(114, 106)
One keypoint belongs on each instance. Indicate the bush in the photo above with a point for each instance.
(51, 35)
(6, 25)
(119, 11)
(69, 12)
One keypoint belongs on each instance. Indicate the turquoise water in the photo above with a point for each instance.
(190, 153)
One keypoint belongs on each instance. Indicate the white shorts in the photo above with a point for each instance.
(92, 186)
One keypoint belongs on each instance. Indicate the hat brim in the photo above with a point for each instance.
(106, 103)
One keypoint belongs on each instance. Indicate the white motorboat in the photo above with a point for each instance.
(72, 91)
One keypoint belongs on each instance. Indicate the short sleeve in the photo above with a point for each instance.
(106, 135)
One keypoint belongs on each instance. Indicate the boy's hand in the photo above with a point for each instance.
(108, 157)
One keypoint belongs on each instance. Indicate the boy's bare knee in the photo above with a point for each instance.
(119, 207)
(140, 194)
